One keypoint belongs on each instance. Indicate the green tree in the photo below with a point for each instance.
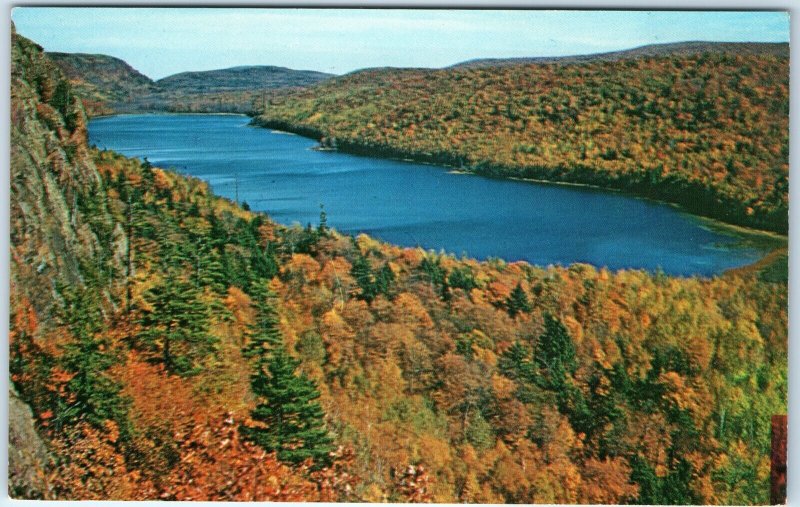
(555, 354)
(462, 278)
(385, 281)
(518, 302)
(176, 325)
(516, 363)
(291, 419)
(93, 396)
(364, 277)
(263, 334)
(323, 221)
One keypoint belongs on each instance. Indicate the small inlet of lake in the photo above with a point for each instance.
(420, 205)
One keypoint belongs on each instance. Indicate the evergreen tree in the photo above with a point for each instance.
(176, 326)
(148, 177)
(435, 274)
(292, 421)
(323, 221)
(362, 273)
(518, 302)
(263, 262)
(384, 281)
(462, 278)
(555, 354)
(516, 363)
(207, 269)
(93, 395)
(263, 335)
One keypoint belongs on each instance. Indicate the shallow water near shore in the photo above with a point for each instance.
(413, 204)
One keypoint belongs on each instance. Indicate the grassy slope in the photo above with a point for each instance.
(708, 131)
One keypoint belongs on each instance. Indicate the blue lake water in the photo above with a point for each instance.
(420, 205)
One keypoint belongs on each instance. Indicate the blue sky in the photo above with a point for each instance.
(160, 42)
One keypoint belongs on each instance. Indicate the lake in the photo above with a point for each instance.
(413, 204)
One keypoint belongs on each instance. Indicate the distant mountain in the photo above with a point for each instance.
(102, 80)
(671, 49)
(107, 85)
(262, 77)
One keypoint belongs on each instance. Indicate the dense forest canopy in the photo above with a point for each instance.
(705, 129)
(172, 345)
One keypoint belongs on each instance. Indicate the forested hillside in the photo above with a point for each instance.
(251, 77)
(101, 80)
(109, 85)
(137, 391)
(172, 345)
(705, 129)
(671, 49)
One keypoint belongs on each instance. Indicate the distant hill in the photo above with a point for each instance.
(704, 125)
(102, 80)
(107, 75)
(780, 49)
(240, 78)
(107, 85)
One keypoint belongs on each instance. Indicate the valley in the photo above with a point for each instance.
(188, 323)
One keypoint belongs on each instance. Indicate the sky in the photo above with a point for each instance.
(159, 42)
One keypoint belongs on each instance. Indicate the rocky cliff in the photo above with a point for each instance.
(61, 232)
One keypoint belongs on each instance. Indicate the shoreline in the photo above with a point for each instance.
(767, 243)
(163, 113)
(709, 221)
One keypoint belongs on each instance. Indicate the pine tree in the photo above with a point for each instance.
(177, 325)
(462, 278)
(93, 395)
(207, 269)
(384, 281)
(323, 221)
(555, 354)
(263, 334)
(516, 363)
(292, 421)
(362, 273)
(148, 177)
(518, 302)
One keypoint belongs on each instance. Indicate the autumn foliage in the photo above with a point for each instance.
(706, 129)
(439, 379)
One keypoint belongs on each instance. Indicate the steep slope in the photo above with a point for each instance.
(61, 232)
(705, 130)
(652, 50)
(450, 379)
(93, 419)
(264, 77)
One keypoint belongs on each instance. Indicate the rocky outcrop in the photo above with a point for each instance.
(28, 459)
(62, 233)
(58, 213)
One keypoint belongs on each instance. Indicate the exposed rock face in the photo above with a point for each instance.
(57, 215)
(62, 233)
(28, 459)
